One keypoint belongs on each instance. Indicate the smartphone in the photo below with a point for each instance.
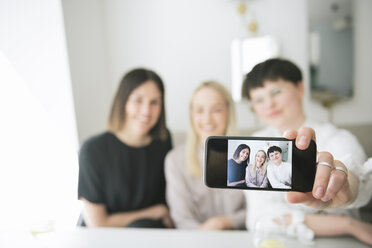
(259, 163)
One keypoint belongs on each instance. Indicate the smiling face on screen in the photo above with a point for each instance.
(243, 155)
(260, 158)
(276, 157)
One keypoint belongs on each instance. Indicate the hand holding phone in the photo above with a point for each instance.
(332, 188)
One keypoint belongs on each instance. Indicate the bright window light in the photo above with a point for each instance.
(38, 162)
(245, 54)
(38, 137)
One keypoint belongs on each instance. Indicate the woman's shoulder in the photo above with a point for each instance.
(162, 142)
(95, 151)
(231, 161)
(287, 164)
(177, 152)
(269, 165)
(250, 166)
(175, 160)
(97, 141)
(326, 130)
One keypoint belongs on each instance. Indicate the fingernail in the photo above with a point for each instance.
(302, 141)
(286, 133)
(325, 198)
(319, 192)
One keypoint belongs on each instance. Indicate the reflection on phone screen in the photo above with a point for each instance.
(265, 164)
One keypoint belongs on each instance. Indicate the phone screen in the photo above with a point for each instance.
(259, 164)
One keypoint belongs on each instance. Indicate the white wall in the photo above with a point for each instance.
(86, 35)
(188, 42)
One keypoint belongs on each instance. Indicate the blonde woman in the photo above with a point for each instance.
(256, 174)
(193, 205)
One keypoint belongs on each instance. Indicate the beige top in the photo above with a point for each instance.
(191, 202)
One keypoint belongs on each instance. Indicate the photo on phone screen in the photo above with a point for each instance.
(259, 164)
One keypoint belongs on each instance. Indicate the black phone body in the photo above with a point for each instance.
(286, 167)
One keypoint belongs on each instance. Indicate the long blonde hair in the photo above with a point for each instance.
(264, 165)
(194, 167)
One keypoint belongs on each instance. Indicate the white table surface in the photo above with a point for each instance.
(152, 238)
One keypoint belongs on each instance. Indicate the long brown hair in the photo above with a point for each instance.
(130, 82)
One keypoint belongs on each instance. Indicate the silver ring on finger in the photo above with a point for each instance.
(340, 168)
(325, 164)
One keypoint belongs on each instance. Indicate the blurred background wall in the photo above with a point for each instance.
(188, 42)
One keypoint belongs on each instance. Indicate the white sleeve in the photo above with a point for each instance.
(364, 173)
(288, 173)
(274, 180)
(345, 147)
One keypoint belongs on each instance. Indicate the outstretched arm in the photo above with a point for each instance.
(328, 225)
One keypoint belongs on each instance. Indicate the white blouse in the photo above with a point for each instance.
(280, 175)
